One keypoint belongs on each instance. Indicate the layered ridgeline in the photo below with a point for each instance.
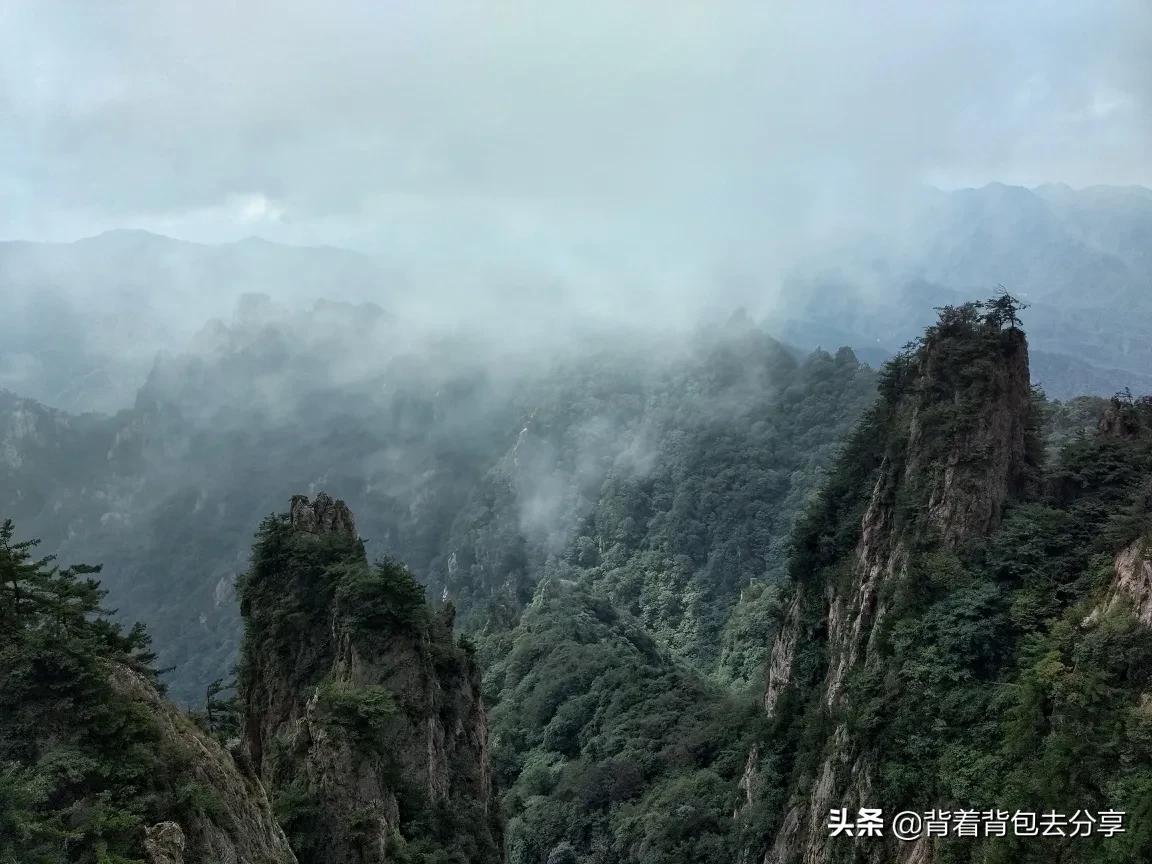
(358, 735)
(1079, 256)
(967, 627)
(361, 714)
(673, 467)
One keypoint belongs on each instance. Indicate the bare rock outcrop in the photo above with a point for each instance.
(1132, 583)
(956, 452)
(239, 828)
(362, 716)
(164, 842)
(322, 516)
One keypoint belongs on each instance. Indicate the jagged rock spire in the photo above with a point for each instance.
(355, 696)
(322, 516)
(954, 452)
(1126, 417)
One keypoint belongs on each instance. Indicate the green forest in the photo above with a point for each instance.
(586, 681)
(575, 432)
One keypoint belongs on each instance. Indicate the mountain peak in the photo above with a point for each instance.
(322, 516)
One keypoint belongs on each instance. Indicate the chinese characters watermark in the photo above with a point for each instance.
(912, 825)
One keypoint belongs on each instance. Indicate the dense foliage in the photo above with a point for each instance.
(1002, 685)
(686, 525)
(999, 676)
(82, 766)
(619, 538)
(471, 468)
(624, 699)
(608, 749)
(356, 650)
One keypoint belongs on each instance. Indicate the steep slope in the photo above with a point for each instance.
(941, 648)
(95, 765)
(681, 464)
(674, 498)
(953, 421)
(361, 715)
(608, 748)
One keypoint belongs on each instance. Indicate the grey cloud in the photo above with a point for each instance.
(643, 149)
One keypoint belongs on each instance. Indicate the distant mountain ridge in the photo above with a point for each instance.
(1081, 259)
(85, 320)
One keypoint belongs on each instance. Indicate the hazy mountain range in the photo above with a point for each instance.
(1080, 259)
(84, 321)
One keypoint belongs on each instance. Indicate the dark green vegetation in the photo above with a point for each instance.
(665, 487)
(83, 767)
(998, 691)
(360, 713)
(90, 756)
(1010, 667)
(608, 750)
(683, 465)
(686, 527)
(616, 537)
(625, 699)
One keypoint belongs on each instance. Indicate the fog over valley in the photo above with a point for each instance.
(572, 433)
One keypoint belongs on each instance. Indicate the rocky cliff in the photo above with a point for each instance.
(95, 764)
(931, 467)
(1128, 424)
(237, 826)
(361, 714)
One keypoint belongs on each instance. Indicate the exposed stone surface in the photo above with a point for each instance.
(780, 664)
(164, 842)
(322, 516)
(1132, 583)
(1125, 418)
(353, 765)
(240, 829)
(748, 780)
(956, 482)
(985, 462)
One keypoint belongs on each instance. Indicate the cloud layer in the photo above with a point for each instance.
(584, 137)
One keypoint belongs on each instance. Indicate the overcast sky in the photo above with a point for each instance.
(459, 129)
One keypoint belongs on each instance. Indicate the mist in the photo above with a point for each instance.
(476, 268)
(563, 333)
(499, 163)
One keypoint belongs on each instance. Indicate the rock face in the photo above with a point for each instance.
(361, 714)
(1132, 583)
(952, 426)
(1126, 418)
(322, 516)
(1132, 566)
(239, 828)
(164, 842)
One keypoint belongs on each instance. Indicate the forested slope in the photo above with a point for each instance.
(674, 671)
(95, 765)
(967, 625)
(682, 464)
(606, 747)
